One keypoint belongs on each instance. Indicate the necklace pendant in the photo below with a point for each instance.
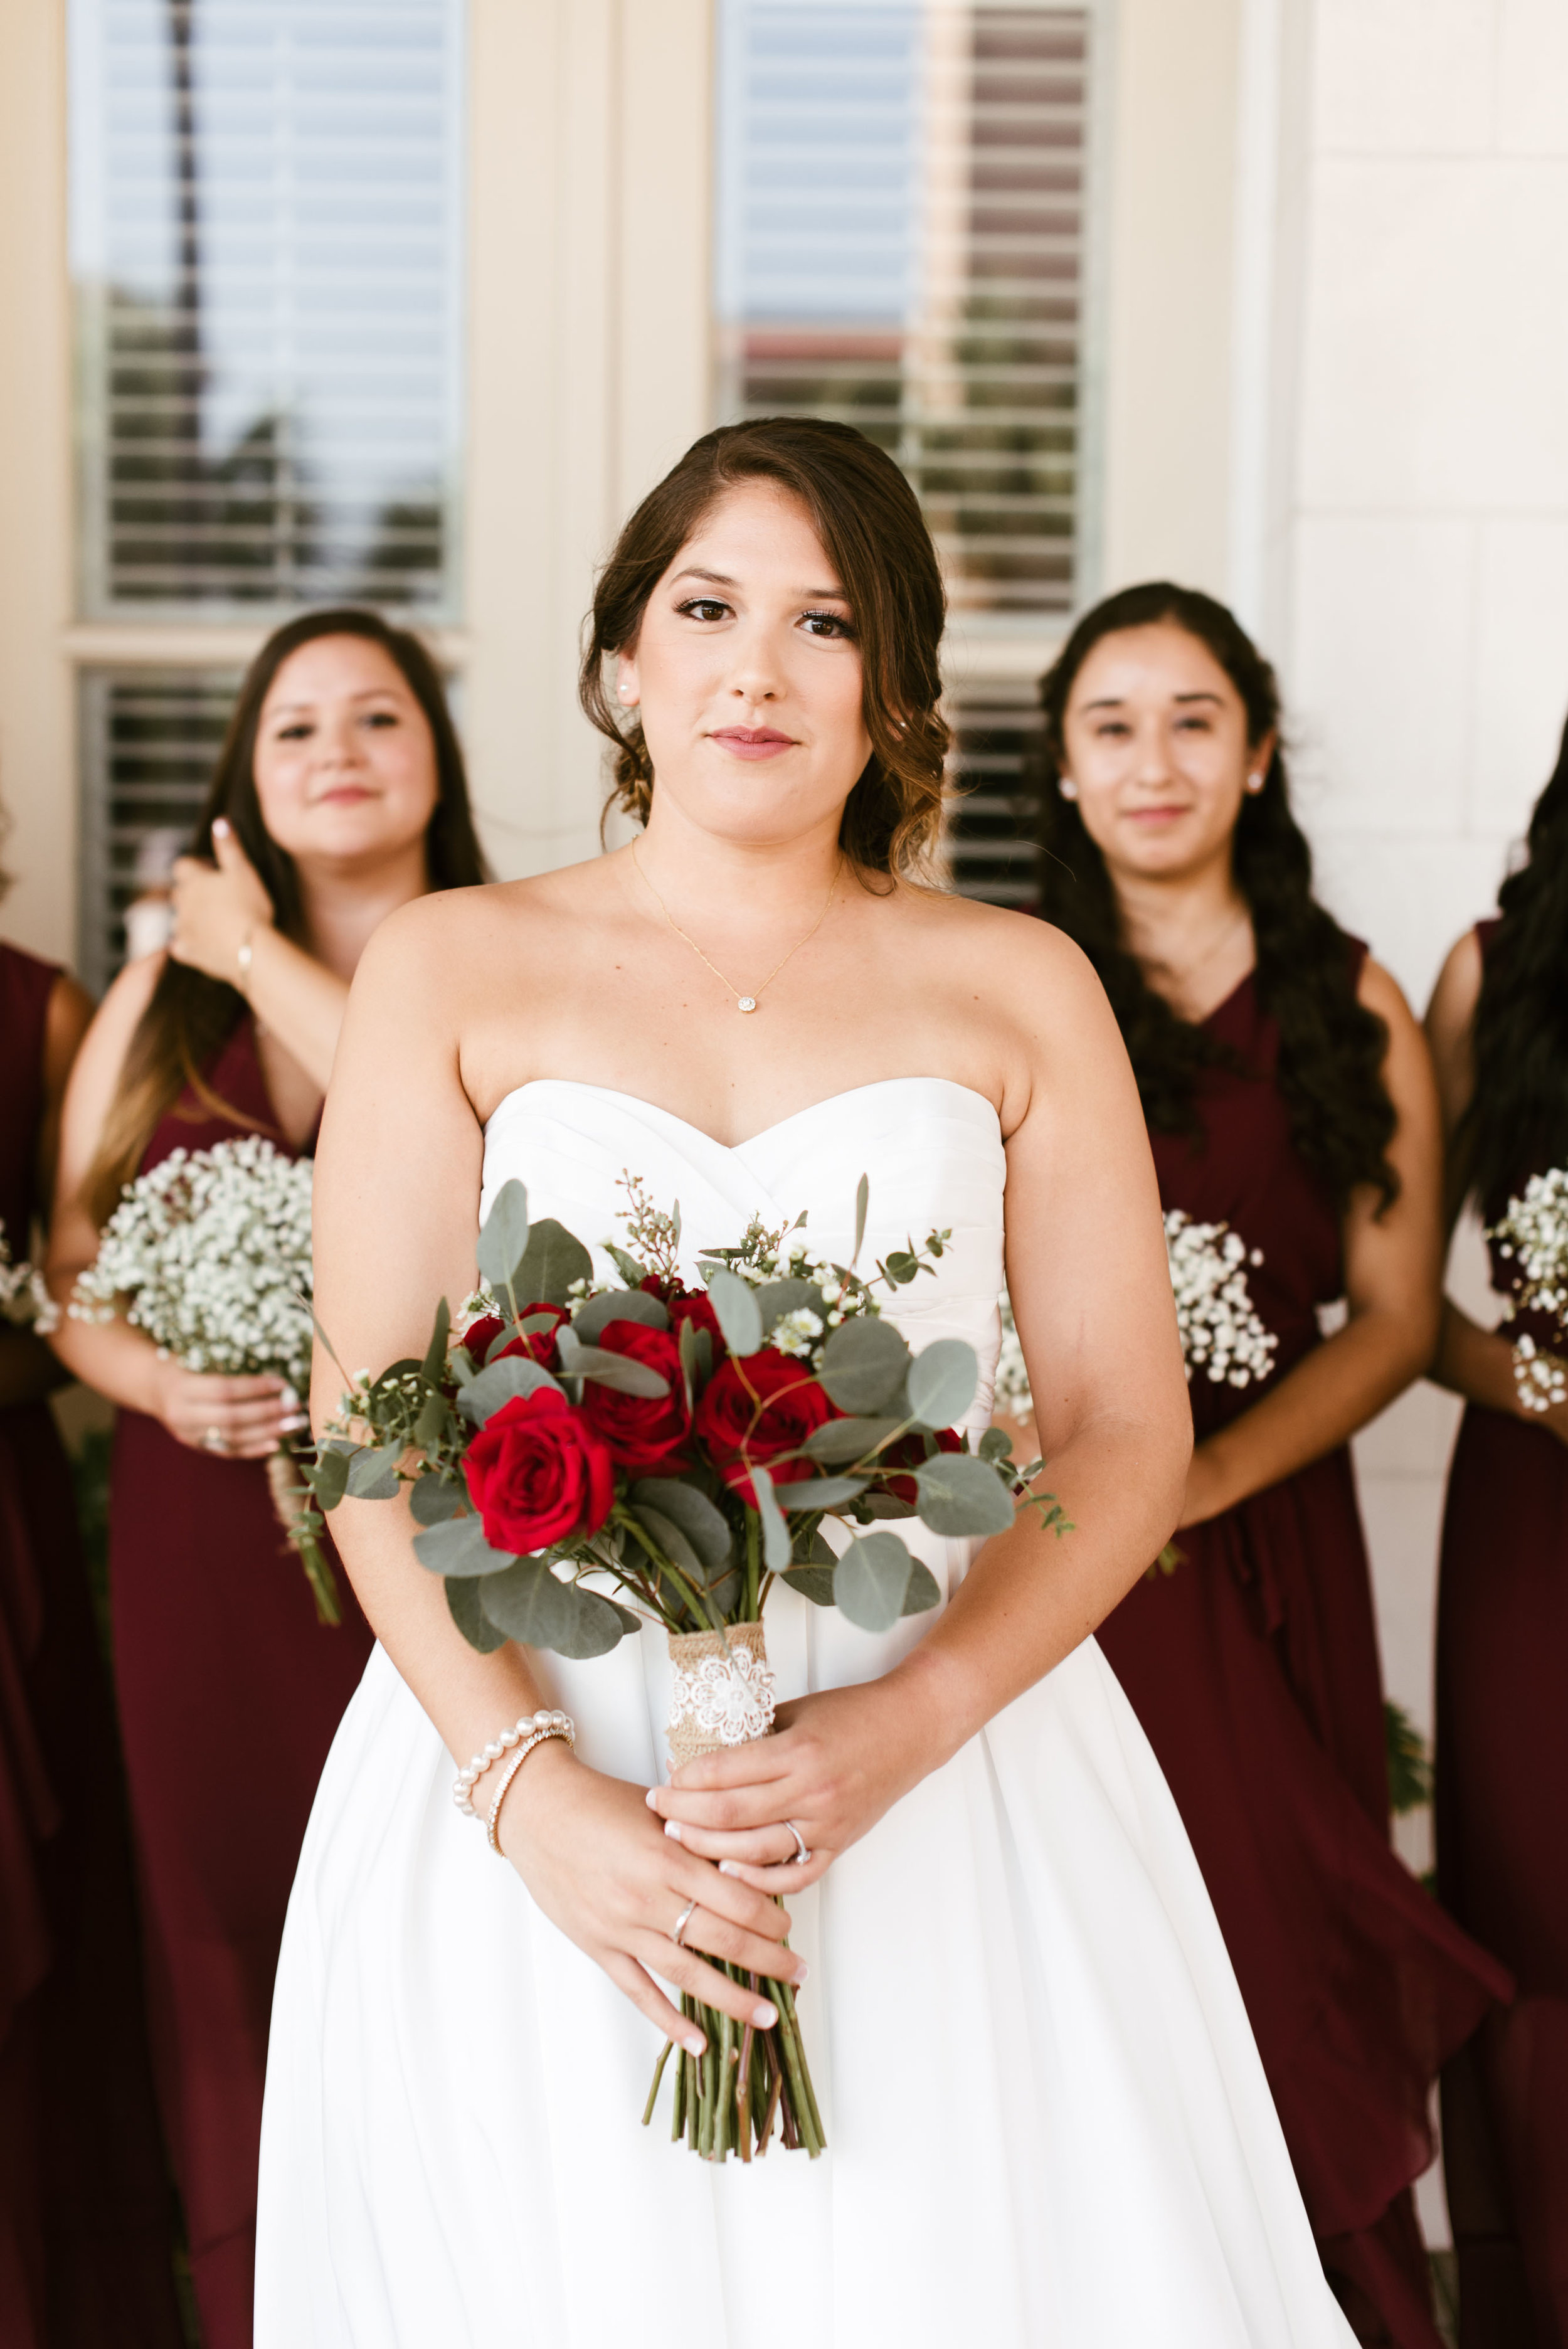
(746, 1003)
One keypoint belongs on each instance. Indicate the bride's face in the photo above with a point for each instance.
(747, 673)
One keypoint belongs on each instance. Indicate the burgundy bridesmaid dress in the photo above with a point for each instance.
(86, 2214)
(1254, 1668)
(1502, 1856)
(230, 1694)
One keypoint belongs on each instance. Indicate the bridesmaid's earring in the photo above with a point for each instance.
(1068, 788)
(1254, 782)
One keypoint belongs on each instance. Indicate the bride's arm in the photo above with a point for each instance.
(396, 1212)
(1091, 1297)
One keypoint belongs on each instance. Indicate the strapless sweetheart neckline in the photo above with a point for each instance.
(827, 1100)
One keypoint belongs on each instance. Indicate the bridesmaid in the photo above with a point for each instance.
(339, 795)
(85, 2239)
(1289, 1094)
(1501, 1041)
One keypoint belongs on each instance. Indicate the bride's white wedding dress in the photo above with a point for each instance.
(1047, 2122)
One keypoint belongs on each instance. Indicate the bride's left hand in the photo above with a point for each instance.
(836, 1761)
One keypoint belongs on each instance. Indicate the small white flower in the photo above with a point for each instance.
(793, 1333)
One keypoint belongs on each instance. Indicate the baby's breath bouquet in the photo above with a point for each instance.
(1532, 1232)
(582, 1459)
(24, 1302)
(209, 1252)
(1220, 1332)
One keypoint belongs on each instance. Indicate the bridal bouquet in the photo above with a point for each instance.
(1533, 1233)
(581, 1460)
(24, 1301)
(210, 1253)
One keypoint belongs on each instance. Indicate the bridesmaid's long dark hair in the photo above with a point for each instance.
(1331, 1048)
(190, 1017)
(1517, 1122)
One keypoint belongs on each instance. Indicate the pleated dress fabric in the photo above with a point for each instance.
(87, 2230)
(1254, 1668)
(1503, 1834)
(1047, 2122)
(230, 1692)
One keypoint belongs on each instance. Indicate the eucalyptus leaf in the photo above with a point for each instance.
(704, 1526)
(552, 1261)
(819, 1492)
(734, 1303)
(862, 1201)
(813, 1550)
(504, 1236)
(633, 1273)
(863, 1364)
(669, 1538)
(463, 1605)
(776, 1550)
(629, 1621)
(884, 1504)
(618, 1304)
(813, 1582)
(610, 1370)
(696, 1348)
(941, 1381)
(850, 1439)
(501, 1382)
(373, 1475)
(458, 1546)
(434, 1363)
(777, 1298)
(960, 1494)
(871, 1580)
(435, 1414)
(595, 1625)
(923, 1591)
(529, 1325)
(994, 1444)
(524, 1600)
(723, 1594)
(433, 1500)
(327, 1476)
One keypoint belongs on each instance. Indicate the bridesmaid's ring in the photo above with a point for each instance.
(214, 1440)
(802, 1853)
(682, 1921)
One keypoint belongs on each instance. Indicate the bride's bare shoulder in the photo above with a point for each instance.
(995, 944)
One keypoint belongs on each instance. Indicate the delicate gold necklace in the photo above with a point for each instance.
(742, 1002)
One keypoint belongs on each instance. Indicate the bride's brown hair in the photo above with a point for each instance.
(871, 529)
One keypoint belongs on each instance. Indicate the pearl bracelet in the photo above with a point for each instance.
(463, 1785)
(558, 1727)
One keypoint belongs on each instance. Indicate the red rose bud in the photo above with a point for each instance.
(793, 1406)
(910, 1452)
(643, 1432)
(538, 1473)
(692, 1305)
(480, 1336)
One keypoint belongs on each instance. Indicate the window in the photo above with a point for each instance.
(266, 243)
(903, 190)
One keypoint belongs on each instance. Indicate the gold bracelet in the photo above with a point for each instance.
(245, 944)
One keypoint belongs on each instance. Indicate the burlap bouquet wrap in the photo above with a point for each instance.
(721, 1690)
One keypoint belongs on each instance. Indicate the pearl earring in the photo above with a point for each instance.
(1068, 788)
(1254, 782)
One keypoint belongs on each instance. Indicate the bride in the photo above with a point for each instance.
(1046, 2119)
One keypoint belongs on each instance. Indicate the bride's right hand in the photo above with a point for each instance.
(598, 1863)
(235, 1418)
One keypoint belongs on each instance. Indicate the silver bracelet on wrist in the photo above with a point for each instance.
(560, 1724)
(246, 943)
(560, 1727)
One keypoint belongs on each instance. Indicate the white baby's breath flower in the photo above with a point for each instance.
(210, 1253)
(795, 1333)
(24, 1301)
(1532, 1232)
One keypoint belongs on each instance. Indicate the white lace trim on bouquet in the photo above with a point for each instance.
(728, 1697)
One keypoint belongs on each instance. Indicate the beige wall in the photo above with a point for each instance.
(37, 778)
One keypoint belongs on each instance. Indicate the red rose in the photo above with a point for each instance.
(480, 1336)
(644, 1431)
(910, 1452)
(538, 1473)
(686, 1305)
(792, 1406)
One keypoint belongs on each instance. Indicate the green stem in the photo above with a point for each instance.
(753, 1561)
(698, 1602)
(658, 2076)
(806, 2117)
(322, 1580)
(788, 1998)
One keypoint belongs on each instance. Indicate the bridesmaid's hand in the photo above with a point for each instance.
(598, 1866)
(215, 907)
(236, 1419)
(837, 1760)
